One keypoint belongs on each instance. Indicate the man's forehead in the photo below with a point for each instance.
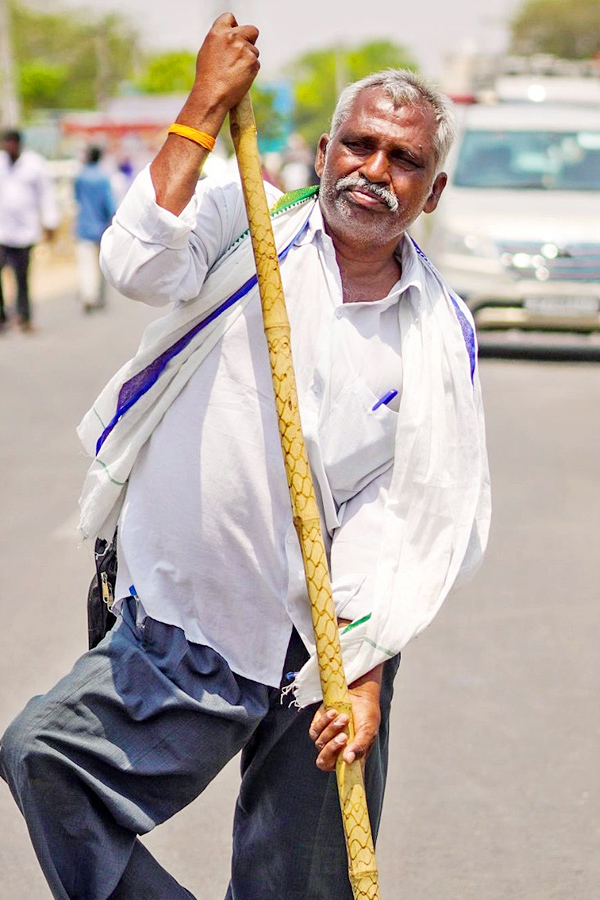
(376, 101)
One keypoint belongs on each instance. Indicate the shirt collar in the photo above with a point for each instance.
(316, 225)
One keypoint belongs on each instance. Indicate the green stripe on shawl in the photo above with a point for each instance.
(294, 197)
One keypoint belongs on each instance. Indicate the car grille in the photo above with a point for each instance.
(551, 262)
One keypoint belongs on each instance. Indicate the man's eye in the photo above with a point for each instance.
(356, 146)
(405, 159)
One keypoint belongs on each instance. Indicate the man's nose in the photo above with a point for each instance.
(375, 167)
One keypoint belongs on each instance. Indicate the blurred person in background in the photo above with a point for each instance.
(95, 209)
(28, 211)
(271, 168)
(213, 624)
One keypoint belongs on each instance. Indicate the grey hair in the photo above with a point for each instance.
(404, 88)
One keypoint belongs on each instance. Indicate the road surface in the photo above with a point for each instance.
(494, 788)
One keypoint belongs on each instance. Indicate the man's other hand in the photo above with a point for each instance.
(328, 728)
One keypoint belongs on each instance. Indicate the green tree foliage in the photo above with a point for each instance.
(68, 59)
(570, 30)
(320, 75)
(168, 73)
(41, 83)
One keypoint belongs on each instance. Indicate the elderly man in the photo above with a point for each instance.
(213, 623)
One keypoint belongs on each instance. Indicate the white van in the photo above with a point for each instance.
(517, 230)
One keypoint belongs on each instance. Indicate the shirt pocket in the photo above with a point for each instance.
(357, 442)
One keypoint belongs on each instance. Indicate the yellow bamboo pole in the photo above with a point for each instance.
(359, 842)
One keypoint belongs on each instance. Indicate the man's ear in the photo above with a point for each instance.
(321, 152)
(436, 192)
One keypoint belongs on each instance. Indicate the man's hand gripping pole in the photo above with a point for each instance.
(359, 842)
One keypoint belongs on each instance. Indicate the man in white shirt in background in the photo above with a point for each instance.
(28, 211)
(213, 621)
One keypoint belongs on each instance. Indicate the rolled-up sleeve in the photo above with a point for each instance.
(355, 549)
(149, 254)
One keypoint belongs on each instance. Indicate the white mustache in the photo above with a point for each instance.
(349, 182)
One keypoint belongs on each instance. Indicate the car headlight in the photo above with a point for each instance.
(468, 243)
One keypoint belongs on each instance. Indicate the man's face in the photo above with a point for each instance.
(378, 170)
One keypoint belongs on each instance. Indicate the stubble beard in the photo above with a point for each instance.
(360, 224)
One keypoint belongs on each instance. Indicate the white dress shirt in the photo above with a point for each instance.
(28, 201)
(205, 534)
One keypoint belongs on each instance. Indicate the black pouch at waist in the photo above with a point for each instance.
(101, 592)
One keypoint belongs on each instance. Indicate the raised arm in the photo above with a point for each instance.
(169, 229)
(226, 65)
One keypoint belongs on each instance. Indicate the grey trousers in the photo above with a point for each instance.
(136, 731)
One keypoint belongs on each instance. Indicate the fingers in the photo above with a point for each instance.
(227, 63)
(226, 19)
(232, 42)
(356, 750)
(328, 728)
(228, 22)
(328, 731)
(326, 725)
(250, 34)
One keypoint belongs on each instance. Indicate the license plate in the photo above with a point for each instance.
(562, 306)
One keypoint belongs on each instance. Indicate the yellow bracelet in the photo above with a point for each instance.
(192, 134)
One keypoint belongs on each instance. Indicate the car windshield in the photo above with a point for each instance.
(540, 160)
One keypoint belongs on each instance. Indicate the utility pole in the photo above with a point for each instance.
(10, 113)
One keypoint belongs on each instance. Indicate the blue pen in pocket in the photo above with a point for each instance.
(383, 401)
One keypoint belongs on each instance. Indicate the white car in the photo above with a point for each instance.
(517, 231)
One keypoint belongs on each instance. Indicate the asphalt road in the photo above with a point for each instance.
(494, 788)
